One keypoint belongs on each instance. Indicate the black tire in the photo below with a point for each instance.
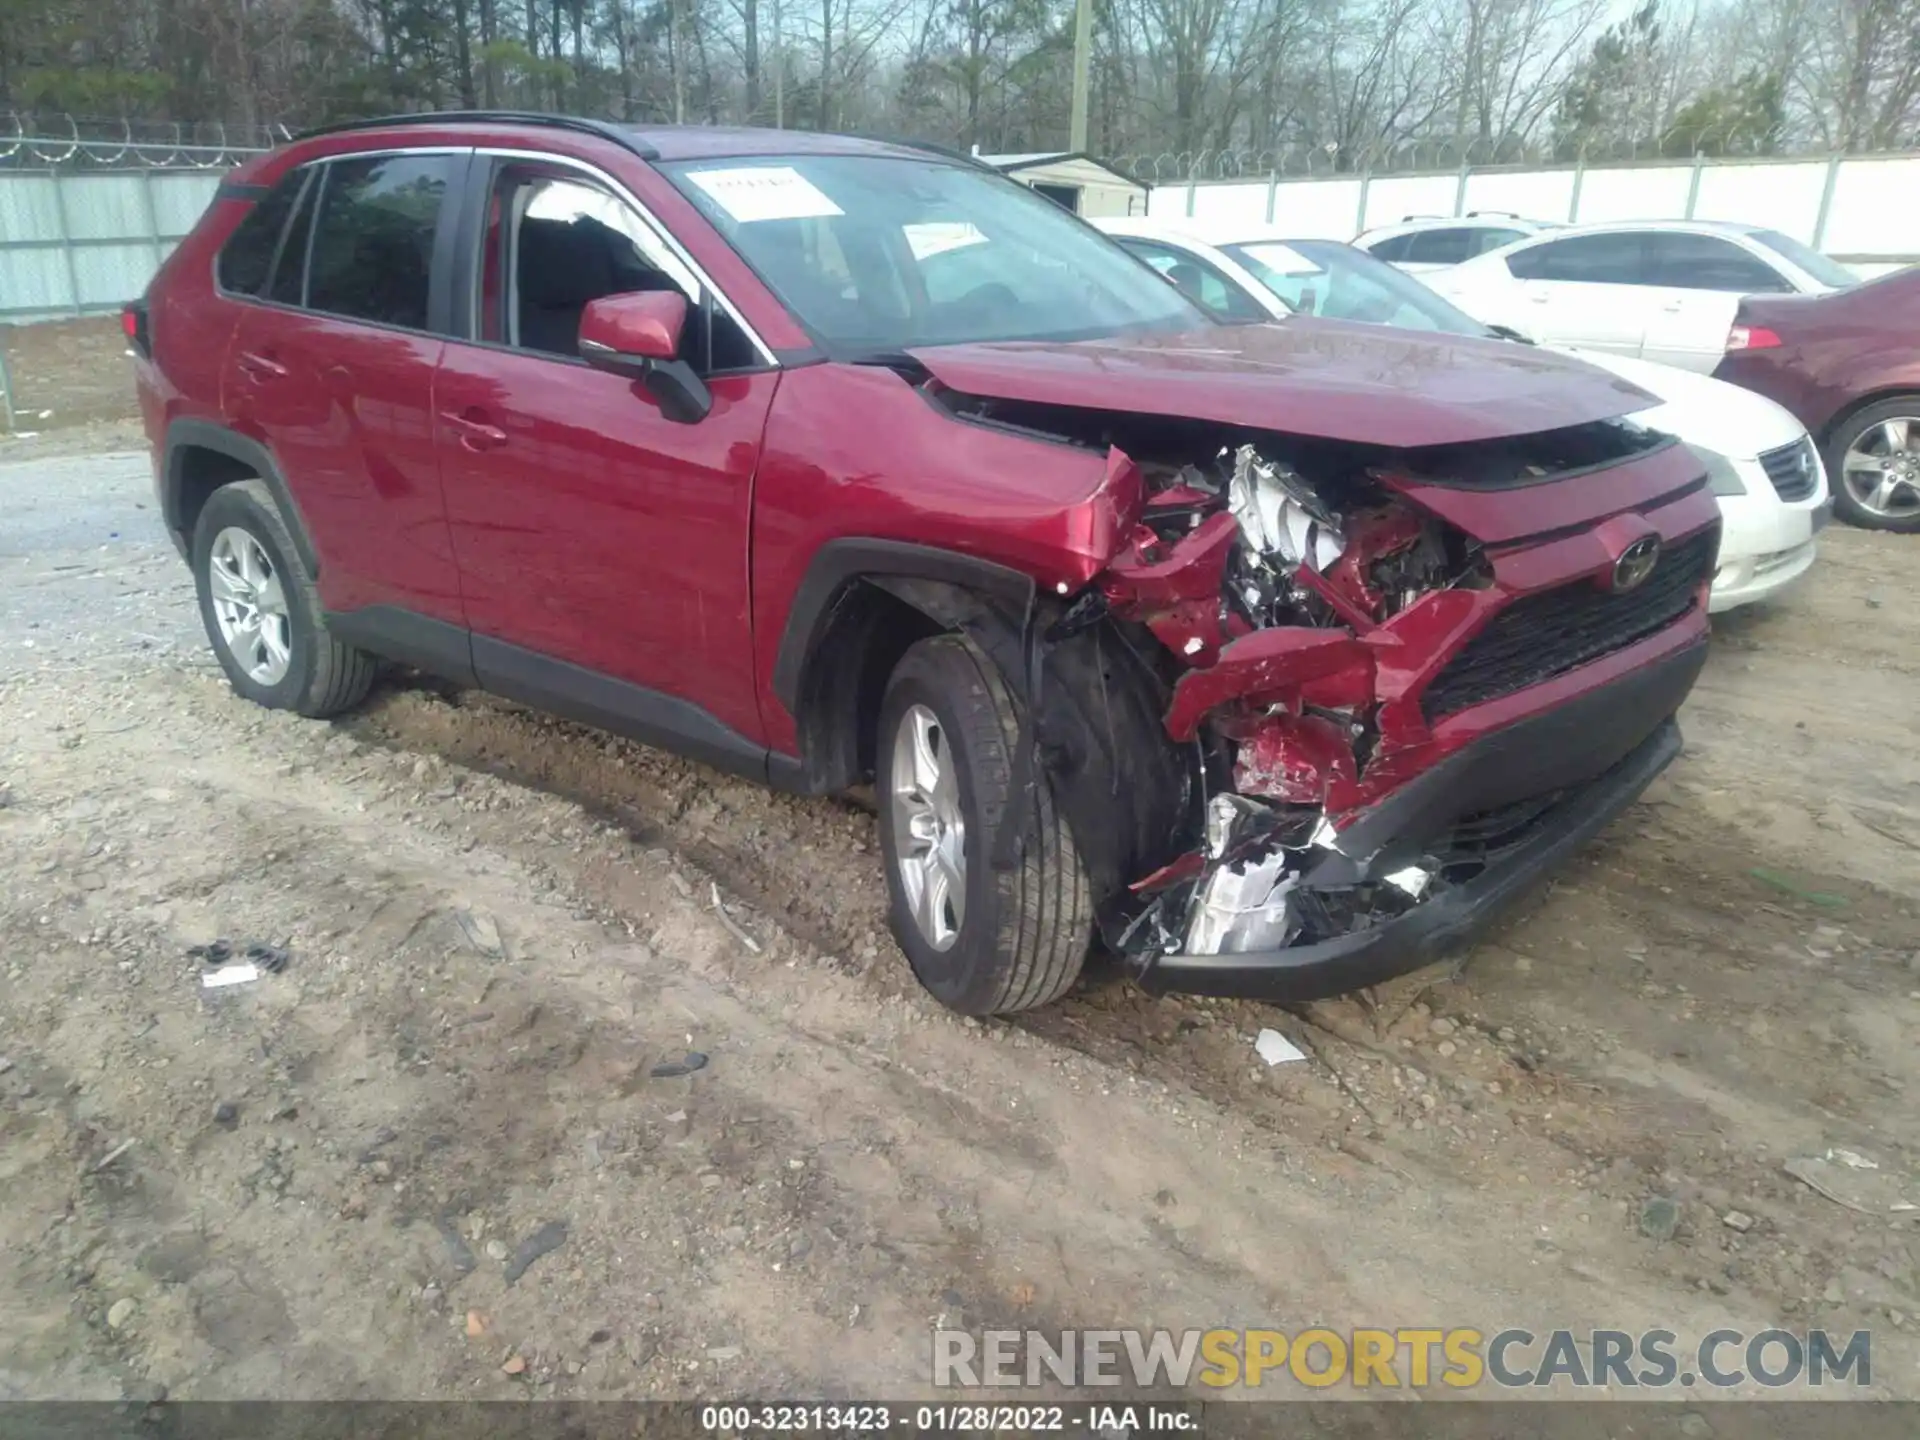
(1842, 438)
(323, 677)
(1025, 931)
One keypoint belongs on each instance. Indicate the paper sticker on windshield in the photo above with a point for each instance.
(764, 192)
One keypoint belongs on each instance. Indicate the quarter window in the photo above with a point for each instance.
(372, 248)
(246, 259)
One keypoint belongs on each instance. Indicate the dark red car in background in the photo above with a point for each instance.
(1277, 656)
(1847, 364)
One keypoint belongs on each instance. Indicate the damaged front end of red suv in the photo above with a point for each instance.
(1391, 686)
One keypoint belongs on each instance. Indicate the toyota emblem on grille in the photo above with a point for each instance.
(1636, 563)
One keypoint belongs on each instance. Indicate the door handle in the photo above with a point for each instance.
(261, 367)
(1539, 297)
(474, 434)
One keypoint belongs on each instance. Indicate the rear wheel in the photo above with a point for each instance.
(1873, 462)
(262, 612)
(983, 941)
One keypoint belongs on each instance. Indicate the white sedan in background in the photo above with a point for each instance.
(1765, 470)
(1660, 290)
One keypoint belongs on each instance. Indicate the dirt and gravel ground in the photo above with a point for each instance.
(343, 1179)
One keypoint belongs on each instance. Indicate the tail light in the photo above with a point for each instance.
(133, 324)
(1752, 337)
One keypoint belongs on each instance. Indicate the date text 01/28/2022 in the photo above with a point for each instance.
(855, 1418)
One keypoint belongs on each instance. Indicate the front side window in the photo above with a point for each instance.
(850, 244)
(372, 245)
(1610, 259)
(1200, 282)
(246, 260)
(1393, 249)
(1338, 282)
(558, 242)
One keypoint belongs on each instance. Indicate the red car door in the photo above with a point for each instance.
(333, 370)
(602, 547)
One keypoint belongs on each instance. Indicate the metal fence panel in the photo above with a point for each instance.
(83, 243)
(1782, 197)
(1638, 192)
(1872, 210)
(1540, 195)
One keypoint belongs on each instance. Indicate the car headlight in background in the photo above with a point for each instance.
(1721, 475)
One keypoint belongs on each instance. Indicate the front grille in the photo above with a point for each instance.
(1540, 636)
(1792, 469)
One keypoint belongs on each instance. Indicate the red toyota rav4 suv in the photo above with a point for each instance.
(1276, 656)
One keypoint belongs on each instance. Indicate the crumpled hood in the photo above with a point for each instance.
(1366, 384)
(1708, 414)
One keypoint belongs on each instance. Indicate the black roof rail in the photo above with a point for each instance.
(600, 128)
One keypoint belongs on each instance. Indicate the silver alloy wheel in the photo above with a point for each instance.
(929, 831)
(1882, 467)
(250, 605)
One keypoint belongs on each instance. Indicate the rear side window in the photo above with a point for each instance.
(1612, 259)
(246, 260)
(1706, 262)
(1442, 247)
(1393, 249)
(372, 244)
(1490, 238)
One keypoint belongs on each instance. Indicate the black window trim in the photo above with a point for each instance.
(489, 160)
(439, 276)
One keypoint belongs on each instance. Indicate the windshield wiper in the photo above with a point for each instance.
(1507, 332)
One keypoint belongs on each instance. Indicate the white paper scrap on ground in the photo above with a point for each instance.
(764, 192)
(230, 975)
(1274, 1048)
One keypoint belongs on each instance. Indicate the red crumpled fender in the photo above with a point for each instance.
(1175, 589)
(1298, 759)
(1329, 668)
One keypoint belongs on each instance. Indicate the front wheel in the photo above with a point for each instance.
(1873, 463)
(983, 941)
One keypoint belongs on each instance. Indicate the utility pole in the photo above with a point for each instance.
(1082, 59)
(779, 71)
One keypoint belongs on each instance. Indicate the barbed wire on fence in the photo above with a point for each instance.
(68, 142)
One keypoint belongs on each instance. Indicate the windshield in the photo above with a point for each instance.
(1822, 269)
(876, 254)
(1338, 282)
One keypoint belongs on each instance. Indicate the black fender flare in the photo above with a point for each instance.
(187, 434)
(922, 575)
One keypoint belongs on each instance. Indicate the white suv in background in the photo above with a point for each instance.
(1664, 291)
(1765, 471)
(1420, 244)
